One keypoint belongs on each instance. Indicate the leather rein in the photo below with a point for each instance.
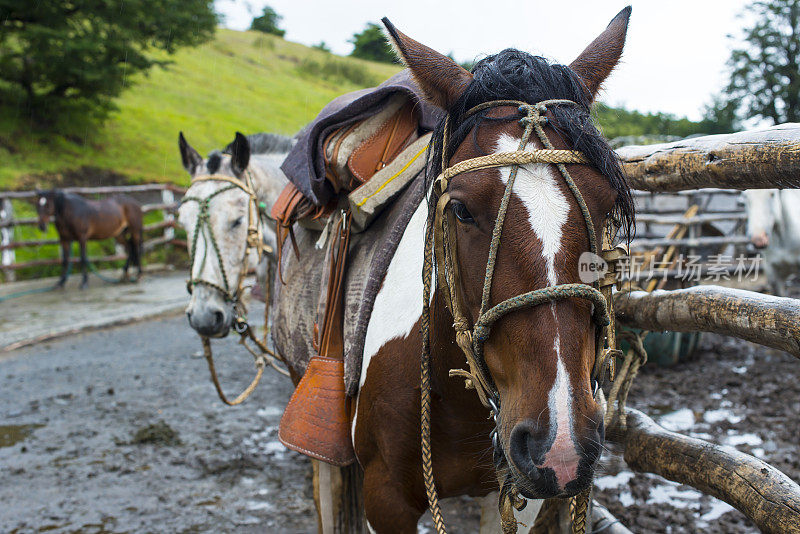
(440, 250)
(256, 212)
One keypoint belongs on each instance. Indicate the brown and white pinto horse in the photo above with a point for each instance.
(540, 358)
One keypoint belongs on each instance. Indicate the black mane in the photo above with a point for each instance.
(515, 75)
(266, 143)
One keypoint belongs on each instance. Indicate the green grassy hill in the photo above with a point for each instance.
(245, 81)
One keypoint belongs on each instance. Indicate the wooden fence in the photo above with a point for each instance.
(767, 158)
(158, 197)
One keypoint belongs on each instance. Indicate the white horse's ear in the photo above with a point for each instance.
(599, 58)
(240, 154)
(189, 156)
(441, 79)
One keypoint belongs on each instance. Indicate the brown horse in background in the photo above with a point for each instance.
(78, 219)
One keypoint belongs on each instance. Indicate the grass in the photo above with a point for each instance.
(241, 81)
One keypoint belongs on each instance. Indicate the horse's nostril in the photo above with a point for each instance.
(526, 446)
(518, 448)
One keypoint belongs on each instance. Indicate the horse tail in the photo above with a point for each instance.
(135, 222)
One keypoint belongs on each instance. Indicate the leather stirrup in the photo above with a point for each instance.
(316, 421)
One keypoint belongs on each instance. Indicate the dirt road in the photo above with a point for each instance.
(87, 442)
(83, 468)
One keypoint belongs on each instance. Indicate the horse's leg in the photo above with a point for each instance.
(136, 247)
(66, 252)
(126, 242)
(337, 496)
(386, 505)
(84, 263)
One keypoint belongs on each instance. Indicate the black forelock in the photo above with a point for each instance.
(516, 75)
(213, 162)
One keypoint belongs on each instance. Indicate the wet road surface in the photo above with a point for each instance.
(119, 430)
(80, 468)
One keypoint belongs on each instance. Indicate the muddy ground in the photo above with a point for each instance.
(119, 431)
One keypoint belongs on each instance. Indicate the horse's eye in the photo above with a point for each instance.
(237, 222)
(462, 213)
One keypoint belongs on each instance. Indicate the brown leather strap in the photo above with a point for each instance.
(332, 342)
(390, 139)
(316, 421)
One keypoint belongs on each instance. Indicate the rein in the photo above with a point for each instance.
(255, 241)
(440, 251)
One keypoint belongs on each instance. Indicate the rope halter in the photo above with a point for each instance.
(255, 241)
(472, 338)
(256, 211)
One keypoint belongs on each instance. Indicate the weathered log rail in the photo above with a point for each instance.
(692, 169)
(763, 319)
(8, 245)
(766, 158)
(755, 488)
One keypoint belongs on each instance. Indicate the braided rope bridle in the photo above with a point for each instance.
(256, 212)
(440, 247)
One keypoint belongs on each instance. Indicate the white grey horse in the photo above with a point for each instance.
(773, 224)
(210, 313)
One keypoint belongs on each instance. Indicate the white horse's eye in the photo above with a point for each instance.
(237, 222)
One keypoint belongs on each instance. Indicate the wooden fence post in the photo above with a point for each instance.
(168, 197)
(7, 256)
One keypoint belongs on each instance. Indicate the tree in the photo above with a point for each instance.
(765, 74)
(322, 46)
(371, 44)
(721, 116)
(60, 55)
(268, 22)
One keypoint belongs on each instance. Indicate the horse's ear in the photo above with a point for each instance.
(441, 78)
(240, 153)
(189, 156)
(599, 59)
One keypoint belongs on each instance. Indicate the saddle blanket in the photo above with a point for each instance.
(305, 164)
(294, 308)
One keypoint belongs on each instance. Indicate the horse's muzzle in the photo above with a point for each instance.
(209, 321)
(542, 473)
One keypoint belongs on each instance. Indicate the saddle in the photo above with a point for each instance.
(367, 163)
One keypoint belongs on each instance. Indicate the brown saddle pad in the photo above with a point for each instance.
(295, 305)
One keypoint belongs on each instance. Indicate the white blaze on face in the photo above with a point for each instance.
(42, 201)
(562, 456)
(537, 186)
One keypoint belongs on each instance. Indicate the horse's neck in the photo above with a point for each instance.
(268, 179)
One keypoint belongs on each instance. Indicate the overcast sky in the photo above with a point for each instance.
(674, 58)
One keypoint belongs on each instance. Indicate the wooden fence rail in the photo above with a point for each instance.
(8, 245)
(766, 158)
(693, 169)
(763, 319)
(758, 490)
